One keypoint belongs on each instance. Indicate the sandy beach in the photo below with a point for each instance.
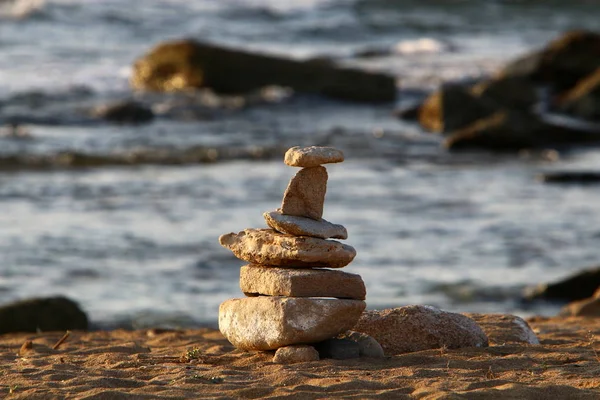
(187, 364)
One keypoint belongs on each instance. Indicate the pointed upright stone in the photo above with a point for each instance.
(312, 156)
(305, 194)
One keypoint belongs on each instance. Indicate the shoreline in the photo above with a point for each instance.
(157, 364)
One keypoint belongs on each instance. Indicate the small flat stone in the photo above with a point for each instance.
(269, 248)
(338, 349)
(301, 226)
(505, 328)
(267, 323)
(367, 345)
(416, 328)
(312, 156)
(305, 194)
(295, 354)
(271, 281)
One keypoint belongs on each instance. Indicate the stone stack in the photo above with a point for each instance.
(294, 296)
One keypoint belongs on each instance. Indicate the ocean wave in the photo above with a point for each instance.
(20, 9)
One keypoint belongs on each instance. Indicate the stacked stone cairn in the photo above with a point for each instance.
(294, 296)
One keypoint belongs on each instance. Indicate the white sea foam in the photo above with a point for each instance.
(19, 8)
(421, 45)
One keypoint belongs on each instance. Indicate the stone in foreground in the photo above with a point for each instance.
(312, 156)
(305, 194)
(416, 328)
(267, 323)
(505, 328)
(300, 226)
(255, 279)
(269, 248)
(295, 354)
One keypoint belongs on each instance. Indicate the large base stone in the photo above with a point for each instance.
(267, 323)
(267, 247)
(270, 281)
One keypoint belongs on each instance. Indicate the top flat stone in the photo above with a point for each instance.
(312, 156)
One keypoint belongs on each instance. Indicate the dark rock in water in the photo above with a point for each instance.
(189, 64)
(338, 349)
(513, 130)
(452, 107)
(456, 106)
(562, 63)
(583, 101)
(509, 92)
(42, 314)
(576, 287)
(410, 113)
(124, 112)
(579, 177)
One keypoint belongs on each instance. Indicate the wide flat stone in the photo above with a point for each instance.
(305, 194)
(416, 328)
(312, 156)
(270, 248)
(267, 323)
(301, 226)
(269, 281)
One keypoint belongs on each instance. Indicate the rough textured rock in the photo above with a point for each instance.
(415, 328)
(270, 281)
(367, 345)
(505, 328)
(269, 248)
(124, 112)
(295, 354)
(43, 314)
(583, 101)
(578, 286)
(589, 307)
(267, 323)
(301, 226)
(305, 194)
(338, 349)
(513, 130)
(312, 156)
(189, 64)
